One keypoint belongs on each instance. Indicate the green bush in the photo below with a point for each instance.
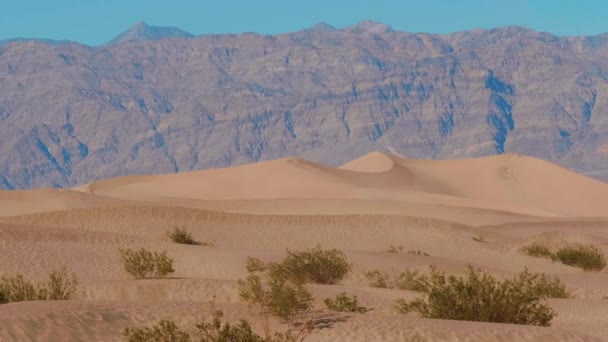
(408, 280)
(315, 265)
(215, 331)
(220, 331)
(589, 258)
(412, 281)
(344, 303)
(537, 250)
(143, 263)
(255, 265)
(164, 331)
(480, 297)
(59, 286)
(377, 278)
(279, 297)
(182, 236)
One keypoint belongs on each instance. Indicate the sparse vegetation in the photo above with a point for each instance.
(408, 280)
(537, 250)
(315, 265)
(344, 303)
(277, 297)
(412, 281)
(277, 289)
(480, 297)
(395, 249)
(216, 331)
(479, 238)
(220, 331)
(417, 252)
(378, 278)
(182, 236)
(143, 263)
(255, 265)
(164, 331)
(587, 257)
(60, 285)
(400, 249)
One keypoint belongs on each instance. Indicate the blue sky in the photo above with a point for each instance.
(96, 21)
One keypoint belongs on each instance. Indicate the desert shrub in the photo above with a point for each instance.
(215, 331)
(344, 303)
(279, 297)
(479, 238)
(480, 297)
(164, 331)
(537, 250)
(315, 265)
(143, 263)
(182, 236)
(219, 331)
(589, 258)
(255, 265)
(19, 289)
(377, 278)
(408, 280)
(395, 249)
(412, 281)
(417, 252)
(59, 286)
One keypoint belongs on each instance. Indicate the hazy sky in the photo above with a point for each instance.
(97, 21)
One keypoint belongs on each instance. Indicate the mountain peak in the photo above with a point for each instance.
(142, 31)
(371, 27)
(323, 27)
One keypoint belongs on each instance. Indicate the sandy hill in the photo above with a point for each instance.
(259, 210)
(511, 182)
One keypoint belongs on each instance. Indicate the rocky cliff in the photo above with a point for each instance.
(71, 114)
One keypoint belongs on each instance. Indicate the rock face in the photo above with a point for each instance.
(72, 114)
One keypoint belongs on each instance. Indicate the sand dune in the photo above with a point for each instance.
(259, 210)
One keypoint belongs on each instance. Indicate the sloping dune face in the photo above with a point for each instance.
(447, 214)
(510, 183)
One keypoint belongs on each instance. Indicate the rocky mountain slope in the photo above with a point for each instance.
(71, 114)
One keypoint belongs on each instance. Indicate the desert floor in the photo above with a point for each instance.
(259, 210)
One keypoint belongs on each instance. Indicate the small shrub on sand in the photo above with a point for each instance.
(255, 265)
(417, 252)
(344, 303)
(278, 297)
(276, 291)
(60, 286)
(479, 238)
(412, 281)
(182, 236)
(143, 263)
(480, 297)
(378, 278)
(315, 265)
(537, 250)
(589, 258)
(408, 280)
(215, 331)
(220, 331)
(164, 331)
(395, 249)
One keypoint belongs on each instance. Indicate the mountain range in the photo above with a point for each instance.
(160, 100)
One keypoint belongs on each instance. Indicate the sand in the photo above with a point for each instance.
(259, 210)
